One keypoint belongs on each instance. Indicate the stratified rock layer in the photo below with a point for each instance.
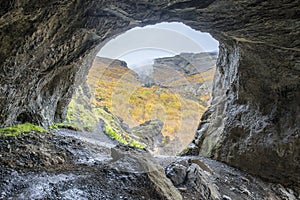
(253, 122)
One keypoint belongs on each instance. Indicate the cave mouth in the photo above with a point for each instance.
(151, 83)
(47, 50)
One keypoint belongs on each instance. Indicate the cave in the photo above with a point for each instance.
(253, 122)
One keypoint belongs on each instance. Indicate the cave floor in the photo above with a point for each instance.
(67, 164)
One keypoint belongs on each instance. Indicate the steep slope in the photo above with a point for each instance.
(188, 74)
(85, 113)
(178, 103)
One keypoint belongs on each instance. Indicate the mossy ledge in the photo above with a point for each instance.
(16, 130)
(124, 139)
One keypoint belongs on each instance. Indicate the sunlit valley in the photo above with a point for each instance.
(171, 98)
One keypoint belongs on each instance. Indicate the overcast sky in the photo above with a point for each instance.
(139, 46)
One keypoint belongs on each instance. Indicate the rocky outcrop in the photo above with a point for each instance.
(149, 133)
(187, 63)
(203, 178)
(188, 74)
(253, 122)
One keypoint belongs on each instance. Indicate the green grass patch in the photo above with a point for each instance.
(82, 115)
(20, 128)
(136, 144)
(68, 125)
(54, 126)
(124, 139)
(114, 135)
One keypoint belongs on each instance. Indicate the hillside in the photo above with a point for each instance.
(188, 74)
(178, 102)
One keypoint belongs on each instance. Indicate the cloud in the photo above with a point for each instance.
(165, 39)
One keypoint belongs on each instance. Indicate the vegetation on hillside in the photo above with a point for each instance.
(120, 90)
(118, 93)
(83, 115)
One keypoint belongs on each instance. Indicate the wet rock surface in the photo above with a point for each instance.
(252, 122)
(80, 183)
(88, 171)
(97, 170)
(204, 178)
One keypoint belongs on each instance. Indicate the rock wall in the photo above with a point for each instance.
(43, 51)
(253, 123)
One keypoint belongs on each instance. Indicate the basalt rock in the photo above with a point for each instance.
(253, 123)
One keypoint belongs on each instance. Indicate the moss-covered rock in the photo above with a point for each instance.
(20, 128)
(113, 128)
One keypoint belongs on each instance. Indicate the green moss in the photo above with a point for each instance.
(136, 144)
(20, 128)
(113, 134)
(68, 125)
(54, 126)
(124, 139)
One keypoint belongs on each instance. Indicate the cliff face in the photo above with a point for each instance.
(253, 122)
(188, 63)
(187, 74)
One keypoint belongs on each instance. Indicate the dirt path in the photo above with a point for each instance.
(98, 137)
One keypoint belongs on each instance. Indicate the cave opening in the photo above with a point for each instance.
(148, 86)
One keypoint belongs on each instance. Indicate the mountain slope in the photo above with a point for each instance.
(178, 102)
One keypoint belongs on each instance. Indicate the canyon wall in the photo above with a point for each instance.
(253, 123)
